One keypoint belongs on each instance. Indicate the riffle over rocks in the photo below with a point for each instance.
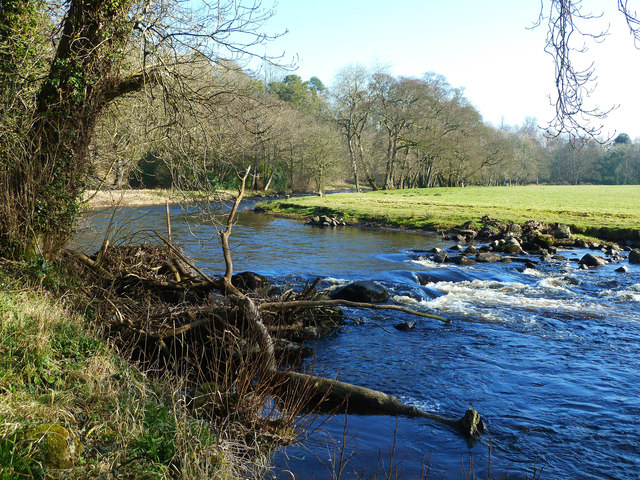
(505, 241)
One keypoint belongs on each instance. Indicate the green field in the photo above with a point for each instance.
(605, 211)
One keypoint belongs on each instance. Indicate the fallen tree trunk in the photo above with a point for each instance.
(334, 396)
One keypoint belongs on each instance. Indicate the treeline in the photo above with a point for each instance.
(369, 128)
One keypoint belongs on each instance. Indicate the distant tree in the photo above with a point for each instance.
(316, 85)
(351, 102)
(305, 96)
(622, 139)
(319, 147)
(393, 99)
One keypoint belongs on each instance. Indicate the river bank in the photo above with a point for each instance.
(610, 213)
(146, 197)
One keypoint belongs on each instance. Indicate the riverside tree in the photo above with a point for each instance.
(52, 98)
(568, 34)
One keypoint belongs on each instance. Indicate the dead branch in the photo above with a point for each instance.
(97, 269)
(182, 257)
(224, 235)
(346, 303)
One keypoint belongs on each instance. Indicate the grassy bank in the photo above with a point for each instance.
(608, 212)
(70, 407)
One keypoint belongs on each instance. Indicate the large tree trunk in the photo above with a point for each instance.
(49, 177)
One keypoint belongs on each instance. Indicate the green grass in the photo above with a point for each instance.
(58, 375)
(609, 212)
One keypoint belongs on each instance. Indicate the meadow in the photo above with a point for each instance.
(606, 211)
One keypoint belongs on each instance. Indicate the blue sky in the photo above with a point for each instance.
(484, 47)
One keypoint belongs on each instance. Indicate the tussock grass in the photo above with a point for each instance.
(608, 212)
(56, 371)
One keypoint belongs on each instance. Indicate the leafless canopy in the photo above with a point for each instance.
(567, 38)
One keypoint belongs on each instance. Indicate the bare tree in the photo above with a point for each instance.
(352, 107)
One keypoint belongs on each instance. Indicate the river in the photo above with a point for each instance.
(550, 357)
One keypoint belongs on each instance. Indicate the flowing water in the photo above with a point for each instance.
(550, 357)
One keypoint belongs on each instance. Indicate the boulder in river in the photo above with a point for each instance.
(634, 256)
(622, 269)
(487, 257)
(471, 250)
(462, 260)
(362, 291)
(326, 221)
(405, 326)
(591, 260)
(543, 240)
(511, 245)
(440, 257)
(561, 231)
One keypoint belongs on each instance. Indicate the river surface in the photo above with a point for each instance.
(550, 357)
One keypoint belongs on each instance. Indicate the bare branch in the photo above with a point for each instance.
(346, 303)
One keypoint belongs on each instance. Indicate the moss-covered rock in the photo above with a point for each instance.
(55, 446)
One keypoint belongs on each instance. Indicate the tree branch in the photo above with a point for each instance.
(346, 303)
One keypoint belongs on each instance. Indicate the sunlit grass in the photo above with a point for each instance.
(598, 210)
(55, 372)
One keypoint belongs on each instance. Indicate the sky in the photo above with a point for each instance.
(488, 48)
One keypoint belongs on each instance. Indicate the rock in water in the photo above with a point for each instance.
(487, 257)
(634, 256)
(591, 260)
(362, 291)
(405, 326)
(561, 231)
(250, 282)
(471, 425)
(440, 257)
